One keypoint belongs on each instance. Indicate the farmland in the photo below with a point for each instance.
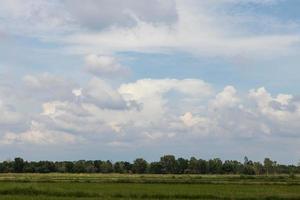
(125, 186)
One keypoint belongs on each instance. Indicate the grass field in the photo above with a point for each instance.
(116, 186)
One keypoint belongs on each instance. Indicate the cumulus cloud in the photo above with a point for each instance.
(100, 65)
(282, 111)
(77, 92)
(38, 135)
(156, 111)
(145, 88)
(148, 110)
(226, 98)
(8, 115)
(189, 120)
(281, 107)
(70, 117)
(103, 95)
(48, 86)
(52, 109)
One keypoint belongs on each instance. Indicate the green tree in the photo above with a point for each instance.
(128, 167)
(182, 165)
(79, 166)
(168, 163)
(268, 165)
(258, 168)
(69, 167)
(139, 166)
(156, 168)
(193, 167)
(106, 167)
(248, 167)
(119, 167)
(18, 165)
(90, 167)
(230, 167)
(203, 166)
(215, 166)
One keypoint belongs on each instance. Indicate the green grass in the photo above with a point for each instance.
(116, 186)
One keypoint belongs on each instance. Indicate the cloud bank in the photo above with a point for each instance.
(81, 81)
(151, 110)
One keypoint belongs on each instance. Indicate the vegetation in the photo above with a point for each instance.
(168, 164)
(168, 178)
(56, 186)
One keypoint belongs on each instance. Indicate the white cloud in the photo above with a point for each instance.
(50, 108)
(202, 28)
(227, 114)
(282, 109)
(77, 92)
(146, 111)
(153, 97)
(71, 117)
(8, 115)
(48, 86)
(154, 110)
(124, 14)
(103, 95)
(146, 88)
(226, 98)
(101, 65)
(189, 120)
(209, 28)
(35, 18)
(110, 113)
(38, 135)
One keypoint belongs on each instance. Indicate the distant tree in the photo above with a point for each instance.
(203, 166)
(29, 167)
(248, 167)
(230, 167)
(69, 167)
(79, 166)
(90, 167)
(182, 165)
(215, 166)
(246, 160)
(128, 167)
(268, 165)
(193, 167)
(119, 167)
(139, 166)
(44, 167)
(97, 164)
(106, 167)
(156, 168)
(168, 163)
(18, 165)
(258, 168)
(60, 167)
(7, 166)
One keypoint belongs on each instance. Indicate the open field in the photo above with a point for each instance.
(116, 186)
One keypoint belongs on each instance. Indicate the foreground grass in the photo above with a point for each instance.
(115, 186)
(151, 178)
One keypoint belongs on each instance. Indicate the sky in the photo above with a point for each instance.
(117, 80)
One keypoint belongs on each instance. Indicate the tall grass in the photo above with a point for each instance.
(114, 186)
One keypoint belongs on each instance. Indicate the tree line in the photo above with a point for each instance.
(167, 164)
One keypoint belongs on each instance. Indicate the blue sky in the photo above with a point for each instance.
(124, 79)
